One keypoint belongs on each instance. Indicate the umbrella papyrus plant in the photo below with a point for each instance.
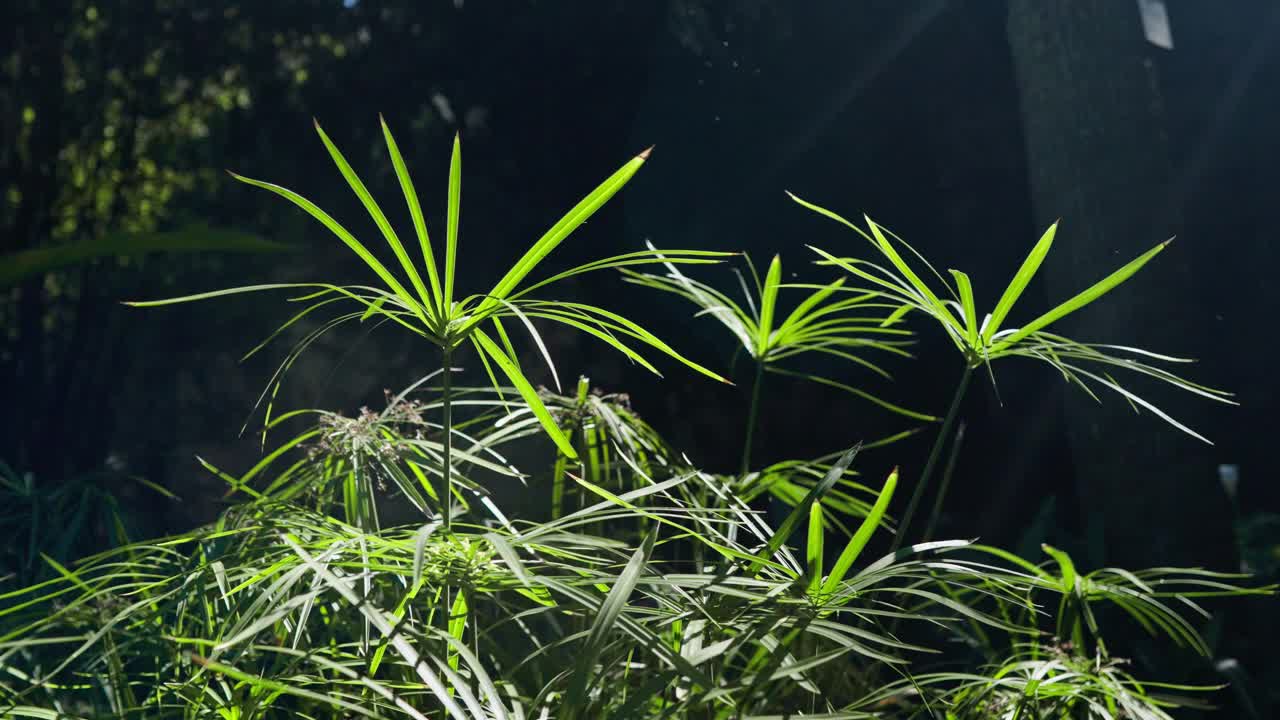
(831, 320)
(983, 341)
(435, 309)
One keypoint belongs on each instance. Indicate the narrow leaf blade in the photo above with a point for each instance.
(768, 303)
(1102, 287)
(1019, 282)
(563, 227)
(859, 540)
(487, 346)
(451, 229)
(415, 212)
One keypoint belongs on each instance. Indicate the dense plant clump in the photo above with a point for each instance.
(375, 566)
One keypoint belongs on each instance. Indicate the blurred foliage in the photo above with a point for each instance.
(119, 117)
(192, 238)
(113, 121)
(63, 521)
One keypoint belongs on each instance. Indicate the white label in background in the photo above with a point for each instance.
(1229, 476)
(1155, 23)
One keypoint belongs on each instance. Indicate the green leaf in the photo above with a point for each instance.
(28, 711)
(526, 390)
(64, 572)
(451, 229)
(255, 681)
(898, 313)
(768, 302)
(344, 235)
(925, 417)
(801, 510)
(970, 312)
(415, 211)
(1096, 291)
(534, 335)
(624, 500)
(814, 560)
(859, 540)
(828, 214)
(1066, 567)
(509, 556)
(563, 227)
(919, 285)
(420, 539)
(376, 213)
(377, 618)
(808, 304)
(457, 623)
(602, 626)
(627, 327)
(1019, 282)
(374, 307)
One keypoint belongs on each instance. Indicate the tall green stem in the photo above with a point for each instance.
(447, 423)
(947, 471)
(933, 456)
(752, 414)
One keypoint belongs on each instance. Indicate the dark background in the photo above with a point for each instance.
(966, 127)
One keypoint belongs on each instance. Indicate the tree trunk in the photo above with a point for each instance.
(1098, 157)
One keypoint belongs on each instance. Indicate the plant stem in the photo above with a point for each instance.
(447, 423)
(752, 414)
(933, 456)
(947, 472)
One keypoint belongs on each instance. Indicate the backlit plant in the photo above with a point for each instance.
(983, 339)
(448, 319)
(643, 588)
(829, 321)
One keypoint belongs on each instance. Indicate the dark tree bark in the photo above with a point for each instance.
(1098, 157)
